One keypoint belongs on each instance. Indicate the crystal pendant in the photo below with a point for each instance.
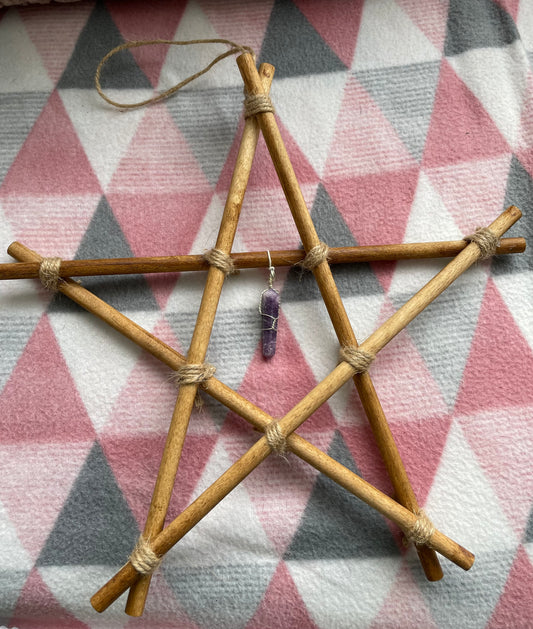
(269, 310)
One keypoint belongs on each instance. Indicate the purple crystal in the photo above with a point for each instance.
(269, 316)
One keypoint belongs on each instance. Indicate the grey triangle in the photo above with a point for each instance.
(336, 525)
(223, 596)
(209, 120)
(11, 584)
(405, 94)
(520, 193)
(477, 24)
(95, 526)
(15, 330)
(293, 46)
(100, 35)
(442, 343)
(18, 113)
(351, 279)
(104, 239)
(528, 537)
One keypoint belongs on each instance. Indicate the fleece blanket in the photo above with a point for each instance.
(406, 121)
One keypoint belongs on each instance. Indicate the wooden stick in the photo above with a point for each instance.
(257, 417)
(198, 348)
(252, 259)
(403, 517)
(335, 307)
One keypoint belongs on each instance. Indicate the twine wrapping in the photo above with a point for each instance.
(257, 104)
(421, 531)
(49, 273)
(191, 373)
(357, 358)
(486, 240)
(275, 438)
(143, 558)
(315, 256)
(220, 260)
(234, 49)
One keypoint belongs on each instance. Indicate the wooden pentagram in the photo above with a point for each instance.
(407, 516)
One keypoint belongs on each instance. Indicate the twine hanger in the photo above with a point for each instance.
(233, 50)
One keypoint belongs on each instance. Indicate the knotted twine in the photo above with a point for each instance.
(315, 256)
(357, 358)
(143, 558)
(421, 531)
(49, 273)
(275, 438)
(486, 240)
(221, 260)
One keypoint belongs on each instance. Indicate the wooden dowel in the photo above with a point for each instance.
(252, 259)
(198, 348)
(335, 307)
(240, 406)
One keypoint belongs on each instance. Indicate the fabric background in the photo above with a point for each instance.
(406, 121)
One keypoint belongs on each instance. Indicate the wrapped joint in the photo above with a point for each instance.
(421, 531)
(49, 273)
(315, 256)
(220, 260)
(357, 358)
(257, 104)
(486, 240)
(143, 558)
(193, 373)
(275, 438)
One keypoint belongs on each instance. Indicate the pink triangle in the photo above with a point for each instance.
(40, 402)
(37, 608)
(499, 367)
(282, 596)
(364, 142)
(135, 461)
(145, 219)
(511, 6)
(55, 51)
(472, 191)
(337, 22)
(503, 450)
(41, 477)
(237, 18)
(40, 222)
(460, 129)
(137, 20)
(515, 607)
(280, 383)
(263, 175)
(159, 157)
(52, 160)
(432, 21)
(404, 606)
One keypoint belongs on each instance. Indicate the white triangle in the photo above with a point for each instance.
(327, 589)
(230, 534)
(308, 103)
(13, 553)
(184, 61)
(429, 220)
(206, 236)
(73, 585)
(516, 290)
(462, 504)
(524, 24)
(104, 131)
(387, 37)
(99, 360)
(21, 67)
(497, 77)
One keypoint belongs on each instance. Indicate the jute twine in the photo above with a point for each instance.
(421, 531)
(315, 256)
(275, 438)
(486, 240)
(233, 50)
(143, 558)
(357, 358)
(49, 273)
(220, 260)
(257, 104)
(191, 373)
